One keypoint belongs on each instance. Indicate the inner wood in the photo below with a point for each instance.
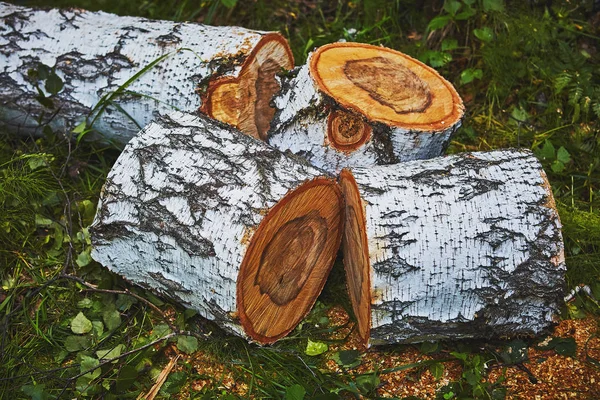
(390, 83)
(347, 131)
(244, 101)
(297, 245)
(288, 259)
(386, 86)
(355, 251)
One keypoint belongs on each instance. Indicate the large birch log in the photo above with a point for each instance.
(354, 104)
(467, 246)
(227, 71)
(221, 222)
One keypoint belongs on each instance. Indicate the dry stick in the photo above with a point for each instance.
(124, 70)
(221, 222)
(160, 380)
(354, 105)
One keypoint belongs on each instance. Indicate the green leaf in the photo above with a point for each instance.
(124, 302)
(484, 34)
(110, 353)
(438, 22)
(367, 383)
(174, 383)
(187, 344)
(159, 331)
(229, 3)
(85, 303)
(466, 13)
(53, 84)
(429, 347)
(80, 324)
(449, 44)
(42, 221)
(547, 152)
(84, 258)
(112, 319)
(295, 392)
(563, 155)
(471, 377)
(127, 377)
(470, 74)
(88, 364)
(347, 358)
(460, 356)
(439, 58)
(98, 328)
(493, 5)
(315, 348)
(452, 6)
(40, 160)
(36, 392)
(437, 370)
(76, 343)
(562, 346)
(557, 166)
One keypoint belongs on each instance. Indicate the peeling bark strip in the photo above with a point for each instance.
(229, 71)
(466, 246)
(356, 105)
(221, 222)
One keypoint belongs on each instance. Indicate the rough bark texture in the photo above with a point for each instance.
(96, 53)
(336, 126)
(467, 246)
(181, 207)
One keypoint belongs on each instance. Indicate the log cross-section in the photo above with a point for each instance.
(221, 222)
(128, 70)
(355, 105)
(466, 246)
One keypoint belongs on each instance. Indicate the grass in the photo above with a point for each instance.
(530, 77)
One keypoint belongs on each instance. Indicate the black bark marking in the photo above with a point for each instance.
(474, 187)
(394, 266)
(169, 284)
(290, 256)
(390, 83)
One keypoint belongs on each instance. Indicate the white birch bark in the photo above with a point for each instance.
(181, 204)
(300, 126)
(466, 246)
(95, 53)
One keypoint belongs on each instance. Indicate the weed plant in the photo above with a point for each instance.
(529, 73)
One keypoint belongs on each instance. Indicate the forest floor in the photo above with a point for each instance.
(529, 74)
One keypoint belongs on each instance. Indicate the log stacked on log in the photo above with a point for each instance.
(225, 224)
(463, 246)
(358, 105)
(228, 71)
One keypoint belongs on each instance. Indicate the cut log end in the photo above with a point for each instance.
(356, 255)
(244, 101)
(347, 131)
(289, 259)
(386, 86)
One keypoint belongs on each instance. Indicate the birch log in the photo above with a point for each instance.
(467, 246)
(221, 222)
(354, 104)
(227, 71)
